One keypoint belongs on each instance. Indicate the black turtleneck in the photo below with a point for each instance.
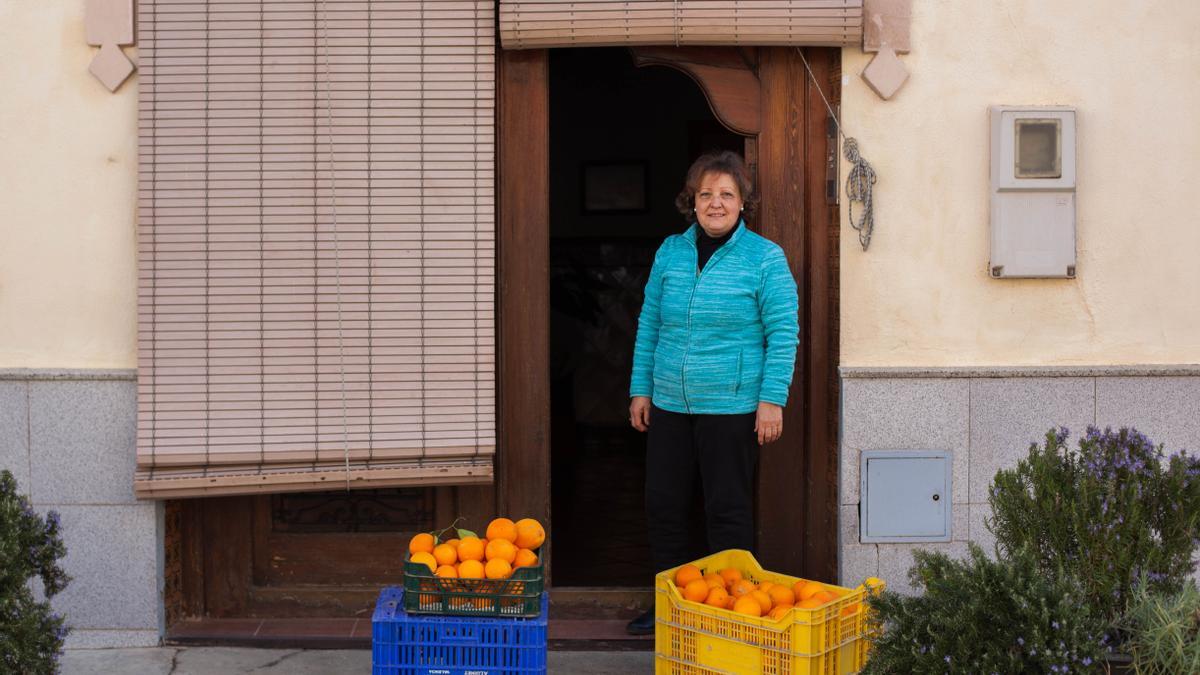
(706, 245)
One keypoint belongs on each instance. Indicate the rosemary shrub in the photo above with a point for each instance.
(980, 615)
(1109, 512)
(31, 634)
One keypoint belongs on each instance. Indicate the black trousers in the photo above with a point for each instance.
(723, 449)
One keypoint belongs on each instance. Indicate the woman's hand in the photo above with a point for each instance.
(768, 422)
(639, 412)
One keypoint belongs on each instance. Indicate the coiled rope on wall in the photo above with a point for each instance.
(860, 182)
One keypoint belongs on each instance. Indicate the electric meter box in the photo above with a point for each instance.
(1033, 192)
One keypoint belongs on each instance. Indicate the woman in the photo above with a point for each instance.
(716, 345)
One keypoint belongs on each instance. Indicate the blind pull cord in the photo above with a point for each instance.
(860, 181)
(337, 253)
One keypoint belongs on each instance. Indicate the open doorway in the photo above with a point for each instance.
(621, 140)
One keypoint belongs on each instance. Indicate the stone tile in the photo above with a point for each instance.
(1007, 414)
(960, 522)
(14, 432)
(896, 559)
(83, 441)
(93, 639)
(1167, 409)
(904, 414)
(855, 561)
(978, 531)
(112, 555)
(849, 489)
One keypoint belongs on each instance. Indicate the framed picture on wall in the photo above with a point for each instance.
(614, 187)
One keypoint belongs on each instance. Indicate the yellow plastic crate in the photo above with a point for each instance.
(692, 638)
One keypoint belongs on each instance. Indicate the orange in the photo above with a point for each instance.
(741, 588)
(453, 542)
(447, 571)
(696, 591)
(730, 602)
(730, 575)
(747, 606)
(471, 548)
(716, 597)
(850, 610)
(502, 549)
(824, 597)
(525, 558)
(809, 589)
(686, 575)
(470, 569)
(713, 579)
(781, 595)
(530, 533)
(502, 528)
(778, 612)
(498, 568)
(425, 558)
(423, 542)
(810, 603)
(763, 599)
(766, 586)
(445, 554)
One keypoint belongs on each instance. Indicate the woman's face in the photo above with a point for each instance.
(718, 203)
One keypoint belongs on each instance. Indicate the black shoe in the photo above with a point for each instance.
(643, 625)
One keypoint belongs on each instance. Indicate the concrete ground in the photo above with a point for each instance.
(230, 660)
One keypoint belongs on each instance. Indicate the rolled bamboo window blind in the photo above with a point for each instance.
(316, 245)
(526, 24)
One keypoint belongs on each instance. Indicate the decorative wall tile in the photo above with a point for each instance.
(109, 23)
(886, 24)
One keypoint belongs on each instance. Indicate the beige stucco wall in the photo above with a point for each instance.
(921, 296)
(68, 182)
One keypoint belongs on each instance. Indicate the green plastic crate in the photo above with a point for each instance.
(518, 596)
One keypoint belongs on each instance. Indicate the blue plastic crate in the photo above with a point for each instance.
(420, 644)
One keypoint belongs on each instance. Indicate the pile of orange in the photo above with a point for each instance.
(506, 546)
(729, 589)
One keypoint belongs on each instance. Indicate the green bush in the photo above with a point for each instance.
(1164, 631)
(31, 635)
(984, 616)
(1109, 512)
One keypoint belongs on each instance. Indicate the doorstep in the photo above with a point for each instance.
(316, 633)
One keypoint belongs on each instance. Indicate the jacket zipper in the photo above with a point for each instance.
(717, 255)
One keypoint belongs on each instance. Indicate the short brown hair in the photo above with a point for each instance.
(727, 162)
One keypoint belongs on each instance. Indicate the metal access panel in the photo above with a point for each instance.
(905, 496)
(1032, 192)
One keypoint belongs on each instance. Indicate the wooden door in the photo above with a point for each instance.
(270, 555)
(768, 97)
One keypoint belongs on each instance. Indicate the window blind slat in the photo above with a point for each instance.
(567, 23)
(302, 327)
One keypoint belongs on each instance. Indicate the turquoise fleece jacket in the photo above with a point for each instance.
(718, 341)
